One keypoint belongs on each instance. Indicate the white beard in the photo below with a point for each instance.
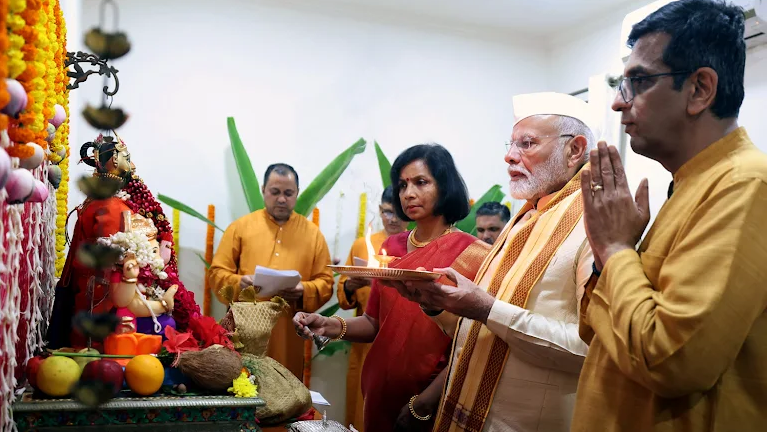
(538, 184)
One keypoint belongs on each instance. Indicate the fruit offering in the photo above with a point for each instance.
(144, 374)
(57, 375)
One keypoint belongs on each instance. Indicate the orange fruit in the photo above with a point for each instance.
(144, 374)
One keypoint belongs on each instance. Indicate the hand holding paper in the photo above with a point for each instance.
(274, 282)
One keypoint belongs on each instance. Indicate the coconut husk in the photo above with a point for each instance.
(213, 368)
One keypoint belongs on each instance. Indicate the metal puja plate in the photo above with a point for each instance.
(393, 274)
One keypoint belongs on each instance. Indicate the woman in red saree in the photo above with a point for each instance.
(402, 375)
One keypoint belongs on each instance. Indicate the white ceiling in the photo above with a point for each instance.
(535, 18)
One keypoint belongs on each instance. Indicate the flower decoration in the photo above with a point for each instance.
(178, 342)
(140, 199)
(209, 332)
(244, 386)
(137, 244)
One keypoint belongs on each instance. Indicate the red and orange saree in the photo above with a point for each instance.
(410, 350)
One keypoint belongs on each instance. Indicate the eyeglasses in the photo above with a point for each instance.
(628, 91)
(528, 143)
(388, 214)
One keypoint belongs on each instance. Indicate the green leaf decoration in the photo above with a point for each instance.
(469, 224)
(334, 347)
(186, 209)
(330, 311)
(202, 258)
(383, 165)
(248, 179)
(325, 181)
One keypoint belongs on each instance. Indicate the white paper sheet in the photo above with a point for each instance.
(317, 399)
(273, 281)
(359, 262)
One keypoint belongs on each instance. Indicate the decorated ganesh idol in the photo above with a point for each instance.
(143, 305)
(82, 288)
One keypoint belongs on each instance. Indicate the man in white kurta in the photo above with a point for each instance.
(517, 353)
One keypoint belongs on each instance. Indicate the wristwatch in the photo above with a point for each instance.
(594, 269)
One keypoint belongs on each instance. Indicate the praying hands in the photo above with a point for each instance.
(614, 219)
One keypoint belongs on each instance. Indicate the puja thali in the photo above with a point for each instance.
(393, 274)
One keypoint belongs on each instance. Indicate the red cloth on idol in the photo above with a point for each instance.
(95, 219)
(409, 350)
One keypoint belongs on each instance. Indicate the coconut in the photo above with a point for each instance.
(54, 175)
(59, 116)
(18, 97)
(5, 167)
(40, 194)
(20, 186)
(35, 160)
(213, 368)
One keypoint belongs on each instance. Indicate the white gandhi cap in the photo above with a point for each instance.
(550, 103)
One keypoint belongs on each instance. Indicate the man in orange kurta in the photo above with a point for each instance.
(353, 293)
(278, 239)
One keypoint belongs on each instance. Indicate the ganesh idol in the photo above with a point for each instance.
(139, 300)
(82, 288)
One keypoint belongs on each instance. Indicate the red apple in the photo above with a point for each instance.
(33, 366)
(104, 370)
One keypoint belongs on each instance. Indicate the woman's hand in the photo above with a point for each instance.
(407, 423)
(353, 284)
(307, 324)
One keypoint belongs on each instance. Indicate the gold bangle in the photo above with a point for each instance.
(343, 328)
(131, 280)
(412, 410)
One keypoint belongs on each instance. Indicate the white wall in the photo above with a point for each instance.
(302, 85)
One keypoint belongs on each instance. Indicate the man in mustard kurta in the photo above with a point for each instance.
(280, 239)
(678, 329)
(353, 293)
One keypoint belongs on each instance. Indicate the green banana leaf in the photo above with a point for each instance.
(469, 224)
(384, 165)
(248, 178)
(330, 311)
(202, 258)
(325, 181)
(186, 209)
(334, 347)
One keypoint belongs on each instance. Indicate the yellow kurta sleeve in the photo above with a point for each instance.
(226, 262)
(319, 287)
(677, 334)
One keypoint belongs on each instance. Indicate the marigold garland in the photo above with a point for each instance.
(61, 139)
(208, 257)
(176, 229)
(30, 124)
(363, 214)
(5, 97)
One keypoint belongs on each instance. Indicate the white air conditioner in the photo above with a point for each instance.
(756, 22)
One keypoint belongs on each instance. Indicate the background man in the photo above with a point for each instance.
(280, 239)
(491, 218)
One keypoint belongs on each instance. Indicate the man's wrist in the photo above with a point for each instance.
(611, 250)
(484, 305)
